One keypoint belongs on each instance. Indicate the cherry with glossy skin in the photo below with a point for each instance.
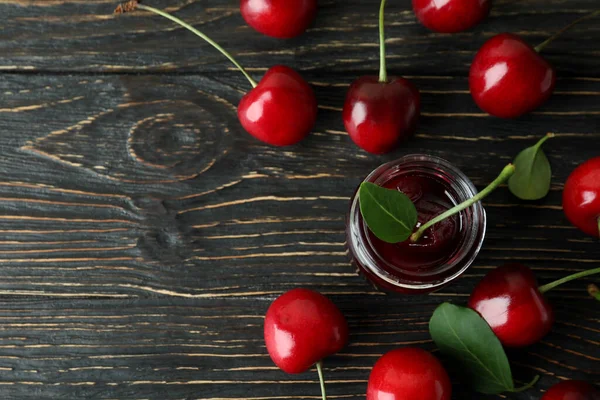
(572, 390)
(408, 374)
(280, 110)
(451, 16)
(581, 197)
(509, 78)
(509, 300)
(301, 328)
(381, 112)
(378, 116)
(513, 305)
(282, 19)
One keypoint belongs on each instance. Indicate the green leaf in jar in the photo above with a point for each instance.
(389, 214)
(467, 340)
(531, 180)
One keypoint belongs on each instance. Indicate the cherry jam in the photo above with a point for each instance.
(446, 249)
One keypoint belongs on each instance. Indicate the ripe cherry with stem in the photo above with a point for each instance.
(379, 112)
(509, 78)
(280, 110)
(513, 305)
(301, 328)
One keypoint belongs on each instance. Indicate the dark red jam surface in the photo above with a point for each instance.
(428, 257)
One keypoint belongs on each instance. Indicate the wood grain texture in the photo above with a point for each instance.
(144, 233)
(82, 35)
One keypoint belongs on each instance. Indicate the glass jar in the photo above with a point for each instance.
(446, 249)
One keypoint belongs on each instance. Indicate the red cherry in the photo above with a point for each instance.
(508, 77)
(378, 115)
(301, 328)
(509, 299)
(450, 16)
(381, 112)
(279, 18)
(581, 197)
(281, 110)
(572, 390)
(408, 374)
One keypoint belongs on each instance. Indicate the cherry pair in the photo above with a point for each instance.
(287, 19)
(302, 327)
(282, 108)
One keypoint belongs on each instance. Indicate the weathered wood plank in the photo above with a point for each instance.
(144, 234)
(70, 35)
(148, 277)
(149, 190)
(169, 348)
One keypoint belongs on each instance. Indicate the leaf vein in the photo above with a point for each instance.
(490, 372)
(388, 213)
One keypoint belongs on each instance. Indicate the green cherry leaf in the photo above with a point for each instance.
(531, 180)
(389, 214)
(469, 342)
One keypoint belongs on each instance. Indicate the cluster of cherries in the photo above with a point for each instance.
(302, 326)
(508, 78)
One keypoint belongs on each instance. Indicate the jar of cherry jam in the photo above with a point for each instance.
(446, 249)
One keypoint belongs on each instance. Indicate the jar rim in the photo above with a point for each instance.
(367, 256)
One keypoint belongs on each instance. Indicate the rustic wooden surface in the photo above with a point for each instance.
(144, 234)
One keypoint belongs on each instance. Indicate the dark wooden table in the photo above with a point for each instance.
(144, 233)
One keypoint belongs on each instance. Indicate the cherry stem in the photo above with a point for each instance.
(539, 144)
(552, 285)
(528, 386)
(594, 291)
(321, 380)
(598, 225)
(546, 42)
(382, 65)
(506, 173)
(200, 34)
